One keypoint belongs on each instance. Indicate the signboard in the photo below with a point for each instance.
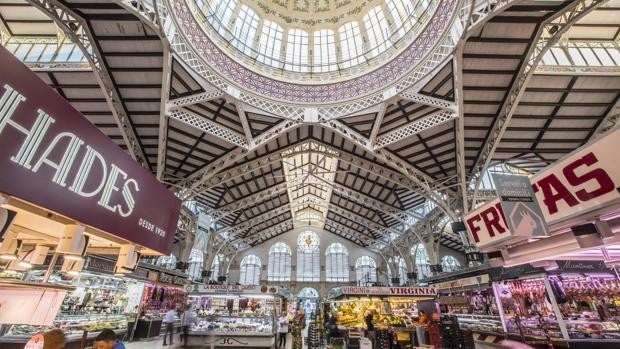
(586, 180)
(583, 266)
(389, 291)
(171, 279)
(232, 289)
(106, 266)
(30, 306)
(464, 282)
(201, 241)
(521, 210)
(53, 157)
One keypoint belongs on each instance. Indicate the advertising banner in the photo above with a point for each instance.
(584, 181)
(53, 157)
(232, 289)
(521, 210)
(389, 291)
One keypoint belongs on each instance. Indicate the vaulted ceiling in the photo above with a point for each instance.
(489, 102)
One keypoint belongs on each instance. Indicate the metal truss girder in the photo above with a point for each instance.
(77, 29)
(256, 220)
(415, 127)
(483, 10)
(428, 100)
(244, 123)
(365, 239)
(205, 125)
(610, 120)
(549, 33)
(461, 169)
(163, 119)
(371, 225)
(376, 126)
(250, 200)
(195, 99)
(203, 178)
(277, 229)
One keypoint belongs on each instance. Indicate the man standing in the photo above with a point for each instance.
(187, 319)
(169, 319)
(282, 330)
(107, 339)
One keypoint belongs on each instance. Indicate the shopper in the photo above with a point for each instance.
(282, 330)
(54, 339)
(187, 320)
(169, 318)
(107, 339)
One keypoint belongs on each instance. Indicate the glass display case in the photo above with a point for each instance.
(72, 325)
(528, 312)
(481, 323)
(239, 319)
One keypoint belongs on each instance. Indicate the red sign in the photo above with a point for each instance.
(52, 156)
(586, 180)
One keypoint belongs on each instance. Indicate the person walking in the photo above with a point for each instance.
(187, 320)
(282, 330)
(169, 318)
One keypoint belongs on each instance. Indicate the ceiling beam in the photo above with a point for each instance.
(428, 100)
(415, 127)
(547, 34)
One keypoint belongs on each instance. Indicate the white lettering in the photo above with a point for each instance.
(110, 187)
(84, 172)
(129, 200)
(68, 157)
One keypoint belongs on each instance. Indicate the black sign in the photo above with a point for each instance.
(498, 274)
(171, 279)
(582, 266)
(106, 266)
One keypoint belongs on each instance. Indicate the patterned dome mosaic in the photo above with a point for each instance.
(315, 51)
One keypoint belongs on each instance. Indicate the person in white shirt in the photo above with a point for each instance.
(169, 318)
(282, 331)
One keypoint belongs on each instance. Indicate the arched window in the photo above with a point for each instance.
(270, 43)
(220, 13)
(297, 51)
(324, 51)
(351, 44)
(167, 262)
(421, 261)
(401, 273)
(336, 263)
(404, 15)
(366, 271)
(279, 268)
(196, 259)
(245, 30)
(449, 263)
(249, 273)
(215, 267)
(378, 30)
(308, 257)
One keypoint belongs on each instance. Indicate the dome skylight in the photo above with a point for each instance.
(322, 39)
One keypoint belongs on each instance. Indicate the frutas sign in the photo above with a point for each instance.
(584, 181)
(52, 156)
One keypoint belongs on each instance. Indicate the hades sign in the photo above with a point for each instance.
(51, 156)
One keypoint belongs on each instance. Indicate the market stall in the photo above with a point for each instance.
(395, 313)
(234, 316)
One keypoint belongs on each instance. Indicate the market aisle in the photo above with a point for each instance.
(154, 344)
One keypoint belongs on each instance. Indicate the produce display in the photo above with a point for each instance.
(73, 325)
(386, 313)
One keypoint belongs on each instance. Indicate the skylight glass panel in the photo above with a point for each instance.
(403, 13)
(589, 56)
(64, 52)
(324, 51)
(35, 52)
(548, 59)
(220, 14)
(245, 30)
(575, 55)
(48, 53)
(377, 28)
(22, 51)
(297, 51)
(270, 43)
(560, 56)
(351, 44)
(603, 57)
(615, 54)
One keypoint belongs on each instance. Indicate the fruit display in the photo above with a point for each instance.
(387, 313)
